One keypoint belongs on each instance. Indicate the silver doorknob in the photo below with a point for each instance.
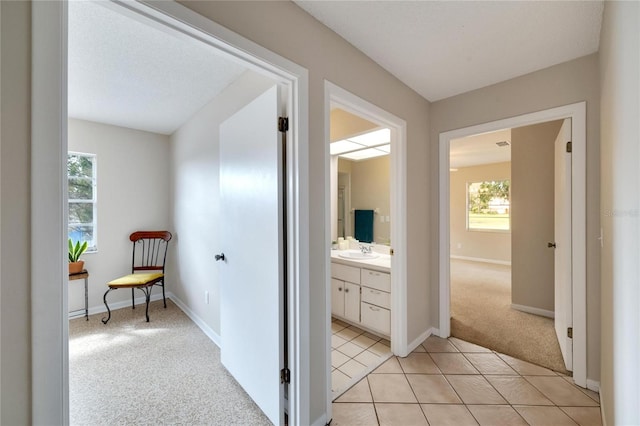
(550, 245)
(219, 257)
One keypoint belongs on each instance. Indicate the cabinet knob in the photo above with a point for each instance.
(339, 288)
(373, 309)
(346, 290)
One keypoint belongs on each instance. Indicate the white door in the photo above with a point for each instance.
(337, 297)
(352, 302)
(562, 254)
(251, 235)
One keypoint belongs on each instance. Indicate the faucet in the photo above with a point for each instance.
(365, 249)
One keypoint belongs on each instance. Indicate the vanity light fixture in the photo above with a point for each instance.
(368, 145)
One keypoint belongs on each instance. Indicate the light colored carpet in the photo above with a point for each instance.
(481, 313)
(166, 371)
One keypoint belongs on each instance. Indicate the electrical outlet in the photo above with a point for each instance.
(206, 297)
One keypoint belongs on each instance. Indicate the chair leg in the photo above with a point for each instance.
(104, 298)
(148, 300)
(163, 298)
(133, 300)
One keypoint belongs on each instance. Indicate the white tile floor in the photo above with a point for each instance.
(354, 354)
(452, 382)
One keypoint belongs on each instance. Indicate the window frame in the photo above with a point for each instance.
(94, 201)
(467, 210)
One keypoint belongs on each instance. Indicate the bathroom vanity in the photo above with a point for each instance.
(361, 291)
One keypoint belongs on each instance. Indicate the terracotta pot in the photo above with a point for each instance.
(76, 267)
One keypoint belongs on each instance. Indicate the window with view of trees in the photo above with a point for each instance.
(488, 205)
(81, 174)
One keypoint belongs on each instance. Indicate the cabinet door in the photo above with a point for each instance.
(352, 302)
(337, 297)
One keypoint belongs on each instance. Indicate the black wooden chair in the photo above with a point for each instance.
(147, 267)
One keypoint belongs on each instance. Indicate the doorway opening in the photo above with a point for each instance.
(502, 213)
(51, 383)
(575, 307)
(366, 237)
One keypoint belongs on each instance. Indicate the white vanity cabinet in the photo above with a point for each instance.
(375, 309)
(345, 292)
(362, 296)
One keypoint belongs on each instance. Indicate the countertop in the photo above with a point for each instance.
(381, 263)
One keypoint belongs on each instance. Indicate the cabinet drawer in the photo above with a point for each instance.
(376, 318)
(376, 297)
(345, 273)
(377, 280)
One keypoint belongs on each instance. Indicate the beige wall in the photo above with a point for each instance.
(476, 244)
(370, 189)
(343, 124)
(620, 204)
(566, 83)
(15, 225)
(287, 30)
(532, 215)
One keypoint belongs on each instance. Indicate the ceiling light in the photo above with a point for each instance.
(343, 146)
(363, 154)
(377, 137)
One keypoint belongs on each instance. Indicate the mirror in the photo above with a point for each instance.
(360, 178)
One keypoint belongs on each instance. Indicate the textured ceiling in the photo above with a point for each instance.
(480, 149)
(444, 48)
(127, 73)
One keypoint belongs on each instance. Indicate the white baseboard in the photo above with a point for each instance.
(532, 310)
(116, 305)
(421, 338)
(593, 385)
(482, 260)
(602, 409)
(320, 421)
(215, 337)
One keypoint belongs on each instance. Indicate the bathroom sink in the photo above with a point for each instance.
(357, 254)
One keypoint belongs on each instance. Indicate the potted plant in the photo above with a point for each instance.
(75, 251)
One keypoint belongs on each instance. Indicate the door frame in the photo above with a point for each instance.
(50, 333)
(577, 113)
(398, 200)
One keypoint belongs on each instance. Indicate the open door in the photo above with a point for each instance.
(251, 245)
(563, 250)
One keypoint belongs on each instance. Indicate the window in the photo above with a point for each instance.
(488, 206)
(81, 175)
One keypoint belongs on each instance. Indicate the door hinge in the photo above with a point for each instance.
(570, 332)
(283, 124)
(569, 146)
(285, 376)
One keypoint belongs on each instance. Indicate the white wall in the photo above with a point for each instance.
(620, 207)
(133, 194)
(195, 198)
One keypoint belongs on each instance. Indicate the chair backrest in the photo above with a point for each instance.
(149, 250)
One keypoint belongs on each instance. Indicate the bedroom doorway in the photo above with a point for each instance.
(577, 302)
(50, 384)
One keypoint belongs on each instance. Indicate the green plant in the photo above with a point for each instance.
(76, 250)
